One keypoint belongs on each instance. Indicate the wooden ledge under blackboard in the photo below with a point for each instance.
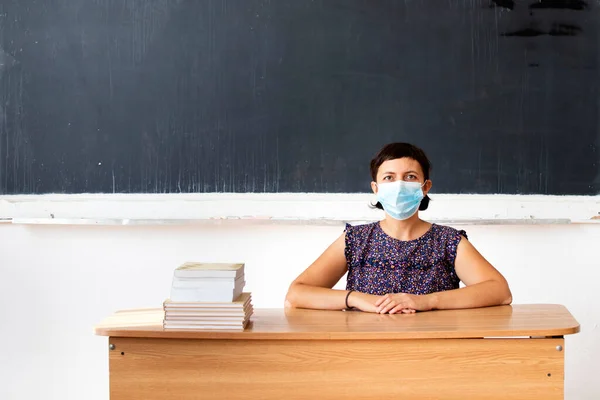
(262, 221)
(287, 209)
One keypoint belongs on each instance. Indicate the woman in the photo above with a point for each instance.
(402, 263)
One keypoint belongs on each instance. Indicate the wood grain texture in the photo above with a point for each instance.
(296, 324)
(447, 369)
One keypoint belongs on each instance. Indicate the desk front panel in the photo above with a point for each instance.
(182, 369)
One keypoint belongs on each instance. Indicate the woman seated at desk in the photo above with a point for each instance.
(402, 263)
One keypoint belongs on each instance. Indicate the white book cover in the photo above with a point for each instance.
(238, 303)
(209, 270)
(203, 328)
(208, 279)
(208, 283)
(191, 312)
(179, 294)
(210, 327)
(239, 322)
(219, 318)
(201, 317)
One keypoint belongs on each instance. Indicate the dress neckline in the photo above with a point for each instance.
(423, 236)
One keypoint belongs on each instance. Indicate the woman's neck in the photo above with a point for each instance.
(408, 229)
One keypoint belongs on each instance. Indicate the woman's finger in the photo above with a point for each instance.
(383, 304)
(382, 299)
(388, 307)
(396, 309)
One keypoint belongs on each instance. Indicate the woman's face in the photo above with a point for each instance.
(405, 169)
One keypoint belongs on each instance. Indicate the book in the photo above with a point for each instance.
(239, 303)
(229, 315)
(208, 296)
(197, 312)
(205, 317)
(208, 283)
(191, 294)
(207, 327)
(209, 270)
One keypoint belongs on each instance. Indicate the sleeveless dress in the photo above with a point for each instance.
(380, 264)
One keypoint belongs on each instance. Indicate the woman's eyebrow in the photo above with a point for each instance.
(412, 172)
(389, 173)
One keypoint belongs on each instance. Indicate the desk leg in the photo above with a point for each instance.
(183, 369)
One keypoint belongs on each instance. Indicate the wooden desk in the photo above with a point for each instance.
(508, 352)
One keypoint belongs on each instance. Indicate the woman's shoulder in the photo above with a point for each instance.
(356, 240)
(359, 230)
(358, 235)
(445, 233)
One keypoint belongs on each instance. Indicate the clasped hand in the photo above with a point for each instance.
(391, 303)
(402, 302)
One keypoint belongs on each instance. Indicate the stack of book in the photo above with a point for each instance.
(208, 297)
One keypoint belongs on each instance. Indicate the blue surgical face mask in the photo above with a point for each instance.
(400, 199)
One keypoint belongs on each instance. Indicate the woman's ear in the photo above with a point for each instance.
(374, 187)
(427, 187)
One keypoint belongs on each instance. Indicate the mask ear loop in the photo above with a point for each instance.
(422, 186)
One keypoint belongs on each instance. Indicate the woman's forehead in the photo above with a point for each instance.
(401, 165)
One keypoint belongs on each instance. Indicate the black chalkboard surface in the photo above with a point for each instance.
(154, 96)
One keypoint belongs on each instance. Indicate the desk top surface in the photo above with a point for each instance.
(298, 324)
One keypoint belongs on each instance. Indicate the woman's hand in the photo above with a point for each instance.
(364, 301)
(402, 302)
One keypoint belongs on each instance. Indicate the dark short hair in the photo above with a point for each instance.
(393, 151)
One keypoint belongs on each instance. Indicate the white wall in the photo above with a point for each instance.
(56, 282)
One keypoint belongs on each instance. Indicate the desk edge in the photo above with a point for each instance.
(156, 331)
(245, 335)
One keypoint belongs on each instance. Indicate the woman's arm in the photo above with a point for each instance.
(313, 288)
(484, 286)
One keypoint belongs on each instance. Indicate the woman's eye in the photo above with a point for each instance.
(411, 177)
(387, 178)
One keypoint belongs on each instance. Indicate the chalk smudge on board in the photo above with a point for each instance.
(6, 62)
